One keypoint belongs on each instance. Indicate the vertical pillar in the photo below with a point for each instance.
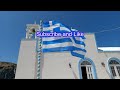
(26, 65)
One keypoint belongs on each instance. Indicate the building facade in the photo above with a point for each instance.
(98, 64)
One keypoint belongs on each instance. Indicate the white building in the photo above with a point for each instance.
(99, 63)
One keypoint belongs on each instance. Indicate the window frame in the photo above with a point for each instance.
(93, 68)
(115, 67)
(88, 69)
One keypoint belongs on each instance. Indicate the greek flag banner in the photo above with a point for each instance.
(73, 44)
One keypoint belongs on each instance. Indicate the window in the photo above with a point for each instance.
(115, 68)
(86, 69)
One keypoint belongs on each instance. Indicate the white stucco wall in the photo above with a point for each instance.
(55, 65)
(104, 57)
(26, 60)
(93, 54)
(99, 57)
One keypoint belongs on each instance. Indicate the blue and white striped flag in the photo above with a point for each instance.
(73, 44)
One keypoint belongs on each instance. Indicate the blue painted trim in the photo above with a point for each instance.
(113, 58)
(93, 67)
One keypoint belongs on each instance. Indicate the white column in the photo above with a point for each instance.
(26, 65)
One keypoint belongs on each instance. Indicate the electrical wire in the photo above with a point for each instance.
(107, 30)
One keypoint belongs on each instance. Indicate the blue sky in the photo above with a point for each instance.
(13, 25)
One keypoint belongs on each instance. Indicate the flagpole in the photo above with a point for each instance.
(75, 76)
(39, 51)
